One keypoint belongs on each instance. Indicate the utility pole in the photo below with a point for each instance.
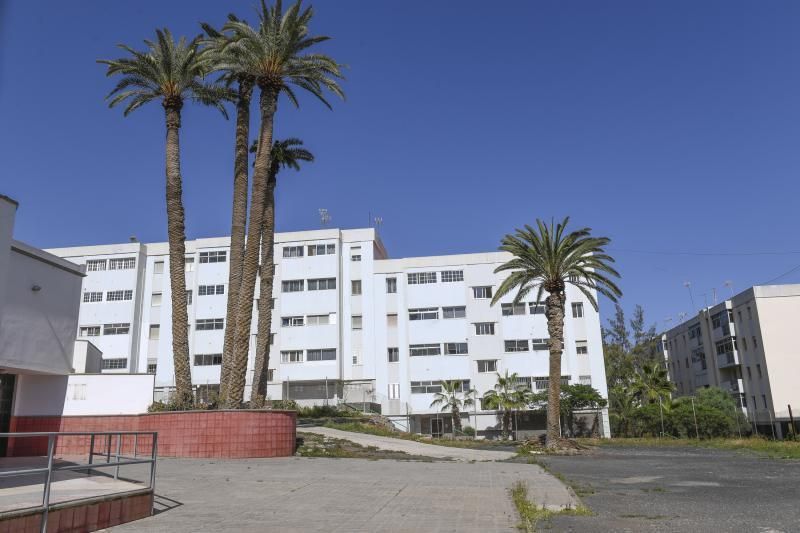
(791, 421)
(694, 414)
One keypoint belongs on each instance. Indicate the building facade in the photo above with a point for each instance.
(349, 324)
(746, 346)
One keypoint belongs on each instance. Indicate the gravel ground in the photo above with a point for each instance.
(680, 489)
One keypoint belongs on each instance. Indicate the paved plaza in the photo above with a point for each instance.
(297, 494)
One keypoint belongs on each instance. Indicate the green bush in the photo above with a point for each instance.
(289, 405)
(468, 430)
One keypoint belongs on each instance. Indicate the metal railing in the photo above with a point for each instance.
(119, 459)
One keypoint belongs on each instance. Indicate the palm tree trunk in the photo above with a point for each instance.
(238, 225)
(554, 309)
(244, 314)
(176, 232)
(506, 423)
(456, 420)
(258, 394)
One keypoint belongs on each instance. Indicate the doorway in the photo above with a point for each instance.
(7, 382)
(437, 427)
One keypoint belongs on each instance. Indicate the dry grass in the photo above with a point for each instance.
(760, 446)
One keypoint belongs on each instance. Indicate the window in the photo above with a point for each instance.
(188, 264)
(394, 391)
(581, 348)
(325, 354)
(764, 399)
(391, 320)
(536, 309)
(356, 358)
(749, 373)
(744, 343)
(425, 313)
(487, 365)
(356, 321)
(158, 267)
(585, 380)
(293, 285)
(355, 257)
(271, 374)
(750, 317)
(512, 309)
(355, 287)
(320, 249)
(455, 348)
(540, 344)
(205, 324)
(291, 321)
(155, 332)
(482, 293)
(415, 350)
(755, 343)
(449, 276)
(89, 331)
(94, 265)
(393, 355)
(292, 356)
(324, 284)
(207, 359)
(219, 256)
(577, 309)
(541, 382)
(758, 369)
(730, 316)
(210, 290)
(421, 278)
(391, 285)
(458, 311)
(91, 297)
(118, 296)
(516, 345)
(740, 315)
(114, 364)
(151, 368)
(724, 346)
(484, 328)
(116, 329)
(317, 320)
(431, 387)
(123, 263)
(189, 298)
(155, 299)
(292, 251)
(716, 320)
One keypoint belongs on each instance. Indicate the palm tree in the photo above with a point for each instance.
(285, 154)
(275, 54)
(506, 396)
(449, 400)
(217, 46)
(651, 384)
(547, 258)
(169, 72)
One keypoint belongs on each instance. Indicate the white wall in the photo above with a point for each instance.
(38, 327)
(83, 394)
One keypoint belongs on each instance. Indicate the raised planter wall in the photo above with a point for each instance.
(220, 434)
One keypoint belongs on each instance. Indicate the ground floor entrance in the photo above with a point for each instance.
(7, 382)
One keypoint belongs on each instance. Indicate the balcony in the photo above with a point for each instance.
(727, 359)
(734, 385)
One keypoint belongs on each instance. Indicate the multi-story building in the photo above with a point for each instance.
(746, 346)
(349, 325)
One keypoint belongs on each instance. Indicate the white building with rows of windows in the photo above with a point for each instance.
(349, 324)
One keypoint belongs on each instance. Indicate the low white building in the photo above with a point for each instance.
(746, 346)
(349, 324)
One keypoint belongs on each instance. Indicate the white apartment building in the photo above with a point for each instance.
(745, 345)
(349, 324)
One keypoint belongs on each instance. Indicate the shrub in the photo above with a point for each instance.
(289, 405)
(468, 430)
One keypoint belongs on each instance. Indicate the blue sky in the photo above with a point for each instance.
(671, 127)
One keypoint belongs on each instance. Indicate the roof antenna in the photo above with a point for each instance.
(324, 217)
(728, 283)
(378, 221)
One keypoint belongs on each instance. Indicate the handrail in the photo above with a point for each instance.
(120, 459)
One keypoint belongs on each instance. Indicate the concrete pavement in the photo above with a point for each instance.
(412, 447)
(297, 494)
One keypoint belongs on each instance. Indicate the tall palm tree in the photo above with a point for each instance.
(276, 55)
(506, 396)
(217, 47)
(171, 73)
(449, 399)
(547, 258)
(651, 384)
(285, 154)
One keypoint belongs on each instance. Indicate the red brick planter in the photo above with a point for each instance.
(220, 434)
